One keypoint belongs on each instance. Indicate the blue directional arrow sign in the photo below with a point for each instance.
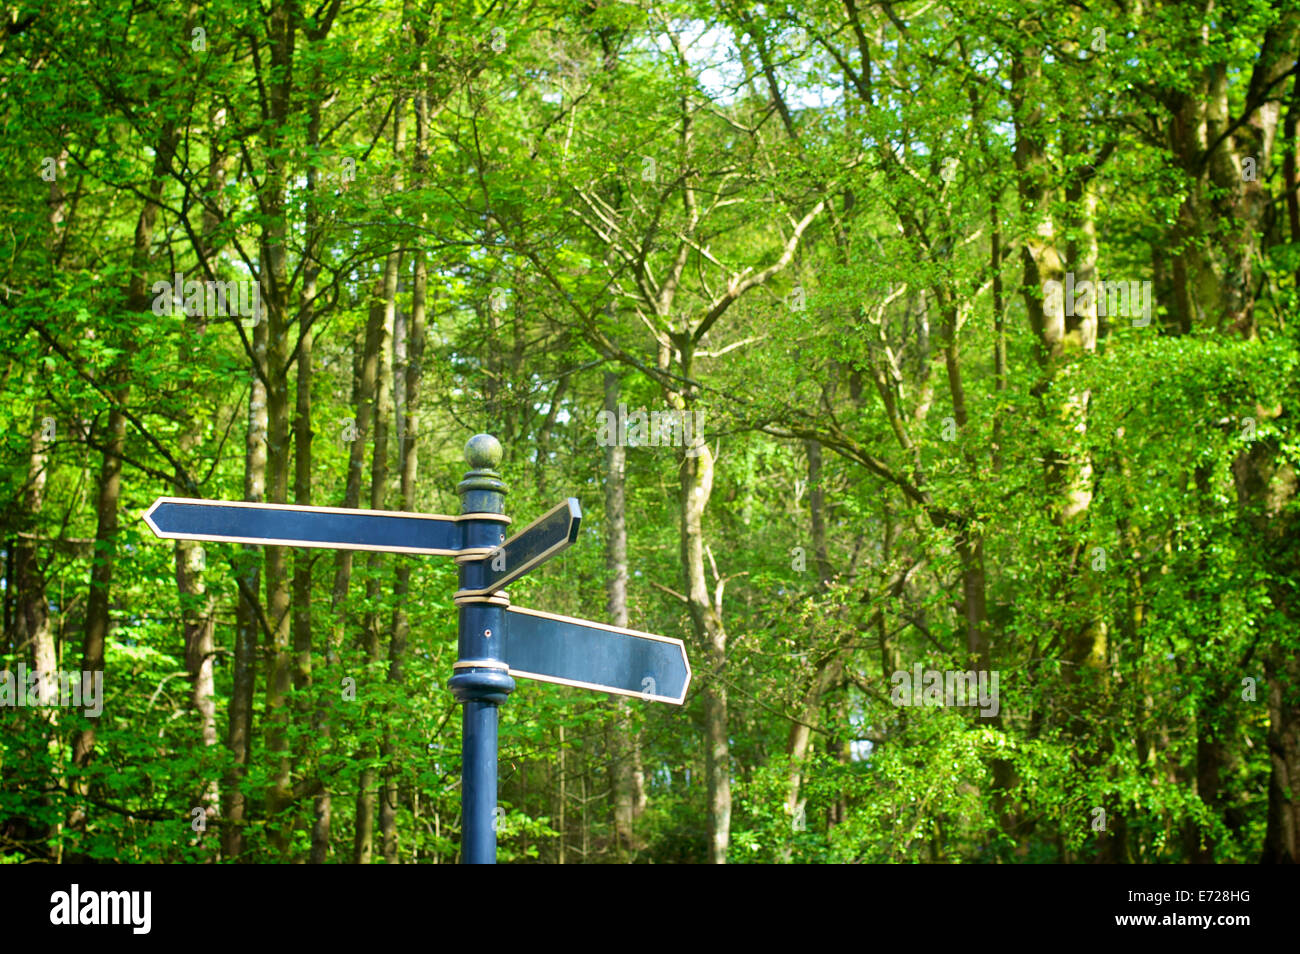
(578, 652)
(531, 546)
(286, 525)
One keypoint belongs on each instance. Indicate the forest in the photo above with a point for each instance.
(929, 367)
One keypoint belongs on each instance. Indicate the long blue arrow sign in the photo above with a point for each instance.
(531, 546)
(578, 652)
(291, 526)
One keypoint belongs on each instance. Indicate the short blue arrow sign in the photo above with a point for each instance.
(546, 536)
(578, 652)
(532, 546)
(286, 525)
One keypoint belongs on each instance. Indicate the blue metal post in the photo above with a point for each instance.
(481, 681)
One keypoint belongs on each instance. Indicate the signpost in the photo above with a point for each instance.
(496, 641)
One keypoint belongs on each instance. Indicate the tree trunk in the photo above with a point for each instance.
(308, 750)
(696, 487)
(239, 732)
(1266, 490)
(408, 362)
(32, 616)
(283, 28)
(627, 779)
(363, 848)
(99, 601)
(1209, 145)
(303, 559)
(32, 608)
(198, 621)
(408, 368)
(1282, 835)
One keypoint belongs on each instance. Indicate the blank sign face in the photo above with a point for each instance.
(285, 525)
(577, 652)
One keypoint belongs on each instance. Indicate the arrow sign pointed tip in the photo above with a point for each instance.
(148, 516)
(575, 514)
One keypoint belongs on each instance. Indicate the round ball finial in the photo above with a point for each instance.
(483, 452)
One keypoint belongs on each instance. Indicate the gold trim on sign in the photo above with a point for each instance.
(474, 553)
(480, 664)
(499, 599)
(498, 517)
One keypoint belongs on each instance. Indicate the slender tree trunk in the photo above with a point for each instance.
(561, 802)
(827, 668)
(198, 606)
(303, 560)
(627, 780)
(283, 29)
(308, 750)
(113, 440)
(696, 488)
(98, 604)
(239, 732)
(363, 849)
(32, 608)
(1267, 485)
(357, 431)
(32, 617)
(197, 627)
(1282, 835)
(410, 359)
(408, 367)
